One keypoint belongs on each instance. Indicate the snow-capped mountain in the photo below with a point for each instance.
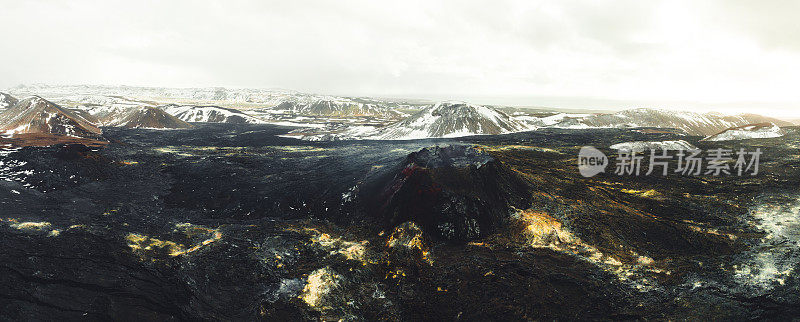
(450, 119)
(750, 131)
(7, 101)
(453, 119)
(208, 114)
(100, 101)
(36, 115)
(138, 117)
(281, 100)
(692, 123)
(364, 118)
(340, 107)
(212, 94)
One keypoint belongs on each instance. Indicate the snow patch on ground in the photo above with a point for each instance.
(641, 146)
(773, 260)
(748, 132)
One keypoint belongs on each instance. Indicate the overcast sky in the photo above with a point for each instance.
(731, 56)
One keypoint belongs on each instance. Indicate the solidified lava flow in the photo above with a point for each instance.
(231, 222)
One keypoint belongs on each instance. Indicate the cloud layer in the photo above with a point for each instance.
(736, 55)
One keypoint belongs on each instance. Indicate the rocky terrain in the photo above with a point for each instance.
(485, 217)
(457, 193)
(234, 222)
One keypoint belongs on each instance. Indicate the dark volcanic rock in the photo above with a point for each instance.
(82, 276)
(455, 193)
(229, 222)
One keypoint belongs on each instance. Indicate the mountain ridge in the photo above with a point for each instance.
(140, 117)
(208, 114)
(36, 115)
(451, 119)
(7, 100)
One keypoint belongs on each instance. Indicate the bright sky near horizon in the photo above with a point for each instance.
(731, 56)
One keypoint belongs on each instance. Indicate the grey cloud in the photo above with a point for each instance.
(610, 50)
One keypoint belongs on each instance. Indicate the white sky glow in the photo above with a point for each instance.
(730, 56)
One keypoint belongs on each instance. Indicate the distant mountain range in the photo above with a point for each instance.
(696, 123)
(338, 107)
(349, 118)
(284, 101)
(701, 124)
(453, 119)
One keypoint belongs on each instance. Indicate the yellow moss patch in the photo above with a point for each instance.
(32, 226)
(141, 243)
(192, 230)
(542, 229)
(644, 260)
(642, 193)
(711, 231)
(145, 245)
(215, 237)
(351, 250)
(395, 273)
(409, 236)
(319, 284)
(172, 150)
